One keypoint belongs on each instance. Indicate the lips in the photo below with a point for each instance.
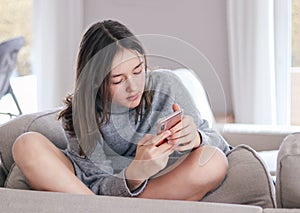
(133, 97)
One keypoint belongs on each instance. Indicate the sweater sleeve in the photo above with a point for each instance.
(98, 174)
(211, 137)
(182, 96)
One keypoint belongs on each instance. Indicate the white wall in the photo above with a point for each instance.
(201, 23)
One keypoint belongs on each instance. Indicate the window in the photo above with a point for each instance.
(16, 20)
(295, 71)
(296, 33)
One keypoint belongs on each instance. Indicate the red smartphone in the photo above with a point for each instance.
(168, 122)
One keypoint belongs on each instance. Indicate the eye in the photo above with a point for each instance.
(117, 81)
(138, 72)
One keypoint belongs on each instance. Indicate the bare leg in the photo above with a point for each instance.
(200, 172)
(45, 166)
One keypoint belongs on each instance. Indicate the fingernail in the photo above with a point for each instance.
(171, 143)
(168, 132)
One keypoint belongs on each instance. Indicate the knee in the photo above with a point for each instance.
(212, 166)
(25, 146)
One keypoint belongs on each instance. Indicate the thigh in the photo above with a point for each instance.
(59, 154)
(36, 143)
(62, 157)
(192, 174)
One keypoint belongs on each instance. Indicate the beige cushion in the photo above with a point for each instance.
(15, 179)
(48, 202)
(192, 83)
(44, 122)
(288, 172)
(248, 181)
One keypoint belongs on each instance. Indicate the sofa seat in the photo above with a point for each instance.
(15, 201)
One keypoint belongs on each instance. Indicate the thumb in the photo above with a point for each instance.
(176, 107)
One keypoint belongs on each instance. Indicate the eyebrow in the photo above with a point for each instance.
(137, 66)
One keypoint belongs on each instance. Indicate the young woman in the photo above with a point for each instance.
(111, 125)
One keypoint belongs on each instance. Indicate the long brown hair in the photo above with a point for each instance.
(93, 74)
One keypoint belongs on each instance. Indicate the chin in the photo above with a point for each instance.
(134, 104)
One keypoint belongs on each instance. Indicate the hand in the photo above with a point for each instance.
(149, 159)
(185, 134)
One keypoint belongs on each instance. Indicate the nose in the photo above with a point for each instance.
(131, 84)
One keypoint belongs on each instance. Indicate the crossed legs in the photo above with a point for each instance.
(191, 178)
(47, 168)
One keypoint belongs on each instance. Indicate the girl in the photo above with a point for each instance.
(110, 122)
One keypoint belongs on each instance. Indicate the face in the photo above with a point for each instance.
(127, 78)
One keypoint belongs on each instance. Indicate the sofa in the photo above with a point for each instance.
(247, 187)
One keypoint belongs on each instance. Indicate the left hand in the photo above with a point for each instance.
(185, 135)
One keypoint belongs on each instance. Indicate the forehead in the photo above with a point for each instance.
(125, 60)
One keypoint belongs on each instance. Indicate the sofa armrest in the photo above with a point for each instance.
(259, 137)
(44, 122)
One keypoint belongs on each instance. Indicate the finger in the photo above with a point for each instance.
(145, 140)
(183, 138)
(167, 149)
(179, 138)
(186, 146)
(161, 137)
(165, 146)
(176, 107)
(179, 127)
(187, 122)
(188, 142)
(170, 151)
(181, 131)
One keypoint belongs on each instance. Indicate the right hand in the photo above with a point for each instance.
(149, 158)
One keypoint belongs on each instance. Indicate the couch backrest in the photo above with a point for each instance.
(198, 93)
(288, 172)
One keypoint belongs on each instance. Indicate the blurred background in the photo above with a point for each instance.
(225, 33)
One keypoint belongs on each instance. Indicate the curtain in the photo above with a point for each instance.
(283, 55)
(255, 47)
(57, 29)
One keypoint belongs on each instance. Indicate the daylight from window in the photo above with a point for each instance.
(295, 74)
(16, 21)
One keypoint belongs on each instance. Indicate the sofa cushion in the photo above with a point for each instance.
(192, 83)
(44, 122)
(2, 173)
(15, 179)
(36, 201)
(248, 181)
(288, 172)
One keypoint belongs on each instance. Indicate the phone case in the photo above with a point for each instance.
(168, 122)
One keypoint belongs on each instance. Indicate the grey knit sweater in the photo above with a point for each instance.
(104, 171)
